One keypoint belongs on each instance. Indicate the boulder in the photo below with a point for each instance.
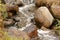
(43, 16)
(51, 2)
(46, 2)
(55, 10)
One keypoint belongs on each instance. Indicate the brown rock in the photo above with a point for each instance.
(56, 10)
(11, 8)
(9, 22)
(51, 2)
(10, 14)
(43, 16)
(38, 2)
(47, 2)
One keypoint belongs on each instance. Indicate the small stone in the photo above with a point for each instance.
(44, 17)
(8, 22)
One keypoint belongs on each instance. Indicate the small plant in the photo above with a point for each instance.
(57, 27)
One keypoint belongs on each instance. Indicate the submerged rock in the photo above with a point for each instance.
(44, 17)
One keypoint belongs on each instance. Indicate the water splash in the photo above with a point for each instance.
(47, 35)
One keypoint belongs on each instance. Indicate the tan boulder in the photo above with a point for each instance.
(55, 10)
(43, 16)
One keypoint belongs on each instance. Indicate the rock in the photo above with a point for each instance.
(11, 8)
(8, 22)
(44, 17)
(38, 2)
(51, 2)
(47, 2)
(31, 30)
(55, 10)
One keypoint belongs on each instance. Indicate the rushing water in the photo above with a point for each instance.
(47, 35)
(26, 14)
